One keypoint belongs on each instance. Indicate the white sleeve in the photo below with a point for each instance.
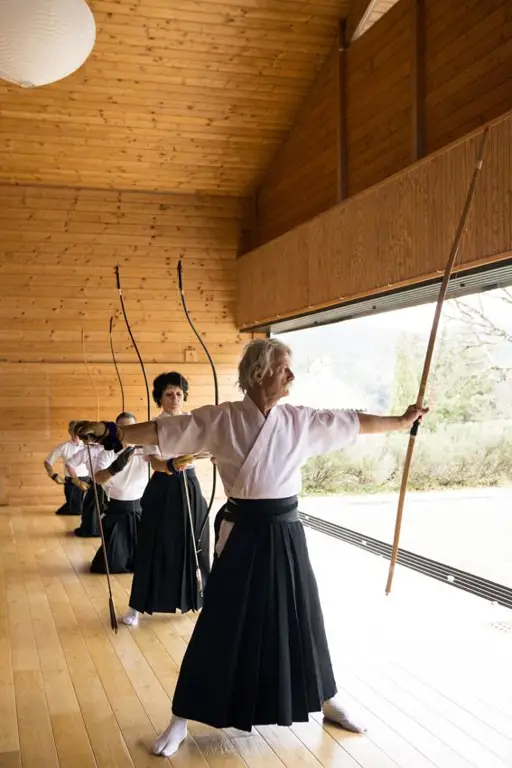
(189, 433)
(55, 455)
(151, 450)
(80, 457)
(330, 430)
(103, 460)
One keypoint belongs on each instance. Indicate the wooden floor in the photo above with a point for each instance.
(426, 667)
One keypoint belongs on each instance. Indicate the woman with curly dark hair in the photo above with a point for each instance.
(164, 579)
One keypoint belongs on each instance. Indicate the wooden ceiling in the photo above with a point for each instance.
(178, 95)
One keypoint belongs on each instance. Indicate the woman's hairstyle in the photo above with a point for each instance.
(125, 415)
(71, 425)
(258, 361)
(165, 380)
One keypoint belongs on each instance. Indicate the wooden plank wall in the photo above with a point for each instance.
(467, 82)
(397, 233)
(468, 66)
(379, 100)
(305, 169)
(58, 252)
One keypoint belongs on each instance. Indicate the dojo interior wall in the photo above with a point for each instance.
(395, 234)
(58, 252)
(465, 79)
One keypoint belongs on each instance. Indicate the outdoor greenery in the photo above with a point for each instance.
(466, 441)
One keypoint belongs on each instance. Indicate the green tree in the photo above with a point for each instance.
(407, 373)
(462, 388)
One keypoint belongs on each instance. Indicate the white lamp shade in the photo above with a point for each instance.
(42, 41)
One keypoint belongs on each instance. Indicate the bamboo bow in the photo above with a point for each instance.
(110, 334)
(113, 616)
(148, 398)
(430, 351)
(215, 387)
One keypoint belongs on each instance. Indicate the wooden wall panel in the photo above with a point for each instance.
(469, 65)
(378, 115)
(302, 179)
(468, 81)
(58, 252)
(395, 234)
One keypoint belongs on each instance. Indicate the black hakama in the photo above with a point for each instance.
(74, 497)
(258, 654)
(120, 524)
(89, 525)
(165, 571)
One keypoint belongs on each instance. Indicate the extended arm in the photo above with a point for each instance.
(178, 435)
(372, 425)
(144, 433)
(332, 430)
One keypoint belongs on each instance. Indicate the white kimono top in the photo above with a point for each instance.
(130, 483)
(81, 458)
(155, 450)
(66, 451)
(127, 485)
(258, 457)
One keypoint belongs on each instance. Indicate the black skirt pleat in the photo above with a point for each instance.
(259, 653)
(164, 580)
(120, 524)
(74, 498)
(89, 526)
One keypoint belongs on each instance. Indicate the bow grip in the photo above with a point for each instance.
(415, 427)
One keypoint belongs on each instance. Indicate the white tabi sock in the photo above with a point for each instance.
(335, 711)
(131, 618)
(169, 742)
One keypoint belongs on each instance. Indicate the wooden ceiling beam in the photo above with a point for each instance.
(358, 17)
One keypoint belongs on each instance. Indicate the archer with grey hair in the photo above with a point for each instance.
(258, 654)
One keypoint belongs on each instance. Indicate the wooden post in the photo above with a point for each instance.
(418, 81)
(342, 113)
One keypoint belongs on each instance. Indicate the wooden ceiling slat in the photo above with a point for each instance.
(147, 141)
(329, 8)
(236, 19)
(147, 91)
(236, 50)
(115, 115)
(326, 7)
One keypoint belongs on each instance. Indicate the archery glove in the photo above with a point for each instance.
(121, 461)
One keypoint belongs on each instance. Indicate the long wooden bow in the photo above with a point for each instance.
(112, 611)
(215, 387)
(110, 335)
(428, 357)
(148, 398)
(90, 377)
(128, 328)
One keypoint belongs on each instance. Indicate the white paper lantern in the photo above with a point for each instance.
(42, 41)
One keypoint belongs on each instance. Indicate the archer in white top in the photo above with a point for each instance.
(258, 457)
(64, 452)
(259, 447)
(127, 485)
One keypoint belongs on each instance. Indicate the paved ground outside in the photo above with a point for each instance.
(468, 529)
